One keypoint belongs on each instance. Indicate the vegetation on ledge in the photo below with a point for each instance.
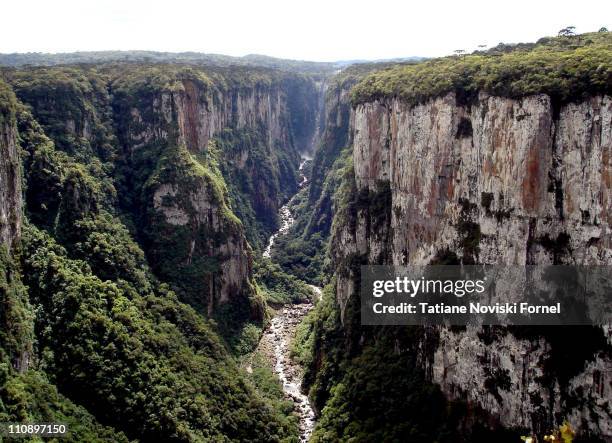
(279, 287)
(98, 332)
(567, 68)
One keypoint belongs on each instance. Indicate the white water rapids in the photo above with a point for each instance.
(282, 328)
(285, 215)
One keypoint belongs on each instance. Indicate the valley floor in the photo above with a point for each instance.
(275, 345)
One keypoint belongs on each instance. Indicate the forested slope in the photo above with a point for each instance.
(123, 259)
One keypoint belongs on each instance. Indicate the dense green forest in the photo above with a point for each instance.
(98, 295)
(192, 58)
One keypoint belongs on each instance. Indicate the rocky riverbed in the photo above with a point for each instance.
(275, 344)
(286, 220)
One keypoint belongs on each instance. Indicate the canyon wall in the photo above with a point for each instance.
(189, 227)
(200, 159)
(334, 138)
(491, 181)
(10, 179)
(240, 145)
(200, 111)
(16, 325)
(130, 184)
(304, 250)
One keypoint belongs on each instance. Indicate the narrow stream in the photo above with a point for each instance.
(277, 338)
(285, 214)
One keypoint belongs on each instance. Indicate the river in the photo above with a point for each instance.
(275, 343)
(285, 215)
(276, 340)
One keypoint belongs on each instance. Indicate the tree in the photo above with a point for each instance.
(459, 52)
(567, 32)
(603, 29)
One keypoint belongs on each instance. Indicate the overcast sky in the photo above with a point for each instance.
(322, 30)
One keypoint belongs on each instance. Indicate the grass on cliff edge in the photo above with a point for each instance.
(566, 68)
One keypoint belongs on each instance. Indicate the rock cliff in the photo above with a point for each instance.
(10, 179)
(182, 151)
(130, 188)
(16, 327)
(491, 181)
(208, 146)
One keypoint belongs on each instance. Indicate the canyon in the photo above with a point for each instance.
(174, 223)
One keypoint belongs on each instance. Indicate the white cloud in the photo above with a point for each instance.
(313, 30)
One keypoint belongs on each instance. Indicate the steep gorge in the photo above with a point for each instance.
(132, 175)
(466, 174)
(131, 275)
(304, 250)
(188, 151)
(497, 181)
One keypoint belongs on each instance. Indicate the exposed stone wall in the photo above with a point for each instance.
(10, 179)
(496, 181)
(188, 115)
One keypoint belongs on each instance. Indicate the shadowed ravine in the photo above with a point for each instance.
(276, 340)
(285, 215)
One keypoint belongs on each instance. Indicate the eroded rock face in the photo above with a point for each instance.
(213, 234)
(201, 113)
(509, 166)
(17, 331)
(495, 181)
(335, 121)
(187, 204)
(10, 182)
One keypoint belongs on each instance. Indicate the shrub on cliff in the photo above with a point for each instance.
(565, 69)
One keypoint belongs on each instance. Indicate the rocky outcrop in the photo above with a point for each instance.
(10, 176)
(220, 147)
(235, 132)
(495, 181)
(514, 169)
(194, 112)
(201, 115)
(196, 235)
(16, 319)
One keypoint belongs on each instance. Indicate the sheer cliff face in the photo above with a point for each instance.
(336, 120)
(493, 181)
(10, 179)
(202, 115)
(189, 222)
(534, 185)
(200, 112)
(185, 152)
(16, 329)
